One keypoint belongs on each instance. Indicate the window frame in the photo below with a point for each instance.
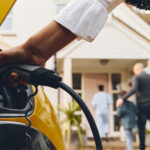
(7, 32)
(59, 3)
(79, 91)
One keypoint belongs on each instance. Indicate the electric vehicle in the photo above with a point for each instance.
(31, 125)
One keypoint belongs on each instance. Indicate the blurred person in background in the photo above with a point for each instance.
(140, 87)
(127, 112)
(101, 101)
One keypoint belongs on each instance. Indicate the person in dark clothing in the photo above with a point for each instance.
(141, 86)
(127, 112)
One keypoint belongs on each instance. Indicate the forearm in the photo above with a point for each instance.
(49, 40)
(130, 93)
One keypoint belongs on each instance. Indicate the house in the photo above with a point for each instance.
(124, 40)
(108, 60)
(3, 44)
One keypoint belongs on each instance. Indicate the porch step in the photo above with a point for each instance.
(104, 139)
(111, 144)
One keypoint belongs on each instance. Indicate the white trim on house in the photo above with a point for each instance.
(117, 40)
(143, 43)
(128, 16)
(3, 44)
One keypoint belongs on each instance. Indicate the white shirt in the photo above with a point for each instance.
(85, 18)
(101, 101)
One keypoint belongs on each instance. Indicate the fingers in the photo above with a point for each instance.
(13, 55)
(15, 80)
(119, 102)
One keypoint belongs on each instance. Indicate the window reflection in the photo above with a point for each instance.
(59, 7)
(76, 81)
(117, 123)
(116, 81)
(80, 94)
(115, 97)
(8, 22)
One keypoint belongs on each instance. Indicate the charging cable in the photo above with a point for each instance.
(37, 75)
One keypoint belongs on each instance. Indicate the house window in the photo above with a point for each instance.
(117, 123)
(115, 88)
(59, 7)
(77, 83)
(115, 97)
(116, 81)
(7, 25)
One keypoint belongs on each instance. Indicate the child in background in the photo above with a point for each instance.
(127, 112)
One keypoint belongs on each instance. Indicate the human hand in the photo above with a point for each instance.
(14, 80)
(119, 102)
(19, 55)
(39, 47)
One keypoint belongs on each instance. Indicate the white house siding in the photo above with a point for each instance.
(130, 18)
(111, 43)
(3, 44)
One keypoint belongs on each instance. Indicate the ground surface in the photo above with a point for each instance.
(111, 145)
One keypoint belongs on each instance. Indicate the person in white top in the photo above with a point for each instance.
(81, 18)
(101, 101)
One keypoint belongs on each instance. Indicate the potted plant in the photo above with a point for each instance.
(72, 129)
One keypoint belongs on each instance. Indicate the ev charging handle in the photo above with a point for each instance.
(37, 75)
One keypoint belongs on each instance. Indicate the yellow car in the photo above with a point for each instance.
(15, 132)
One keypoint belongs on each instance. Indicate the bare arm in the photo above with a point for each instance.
(75, 18)
(40, 47)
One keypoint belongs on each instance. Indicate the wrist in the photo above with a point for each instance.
(33, 53)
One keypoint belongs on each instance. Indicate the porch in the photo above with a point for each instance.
(112, 145)
(84, 75)
(107, 60)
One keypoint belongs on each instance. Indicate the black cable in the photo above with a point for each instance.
(36, 75)
(86, 112)
(28, 137)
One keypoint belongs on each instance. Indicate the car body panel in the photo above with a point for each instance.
(5, 6)
(43, 119)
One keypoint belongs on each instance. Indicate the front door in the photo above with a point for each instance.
(91, 82)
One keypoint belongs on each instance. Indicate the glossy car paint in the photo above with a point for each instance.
(14, 137)
(5, 6)
(43, 119)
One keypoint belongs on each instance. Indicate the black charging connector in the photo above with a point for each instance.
(37, 75)
(45, 77)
